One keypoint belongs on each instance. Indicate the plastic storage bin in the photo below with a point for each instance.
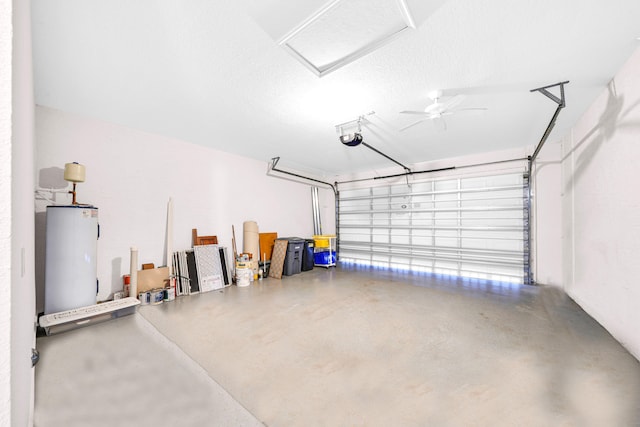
(293, 258)
(325, 250)
(323, 240)
(325, 258)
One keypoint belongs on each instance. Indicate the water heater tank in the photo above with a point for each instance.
(70, 265)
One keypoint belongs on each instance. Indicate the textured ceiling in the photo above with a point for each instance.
(212, 73)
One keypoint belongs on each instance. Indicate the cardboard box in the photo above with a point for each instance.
(153, 278)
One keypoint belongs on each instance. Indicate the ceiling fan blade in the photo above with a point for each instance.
(435, 108)
(440, 107)
(467, 110)
(420, 113)
(453, 102)
(413, 124)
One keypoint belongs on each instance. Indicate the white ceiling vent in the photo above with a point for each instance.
(345, 30)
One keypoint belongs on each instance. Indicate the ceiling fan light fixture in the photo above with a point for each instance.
(435, 94)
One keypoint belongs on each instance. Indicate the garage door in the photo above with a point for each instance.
(474, 227)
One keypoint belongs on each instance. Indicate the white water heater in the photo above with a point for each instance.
(71, 277)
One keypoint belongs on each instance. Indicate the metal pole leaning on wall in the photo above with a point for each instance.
(317, 222)
(531, 159)
(337, 222)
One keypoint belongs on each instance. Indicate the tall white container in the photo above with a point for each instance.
(71, 278)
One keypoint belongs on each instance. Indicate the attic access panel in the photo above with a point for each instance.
(345, 30)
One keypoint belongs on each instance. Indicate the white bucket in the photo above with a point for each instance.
(243, 276)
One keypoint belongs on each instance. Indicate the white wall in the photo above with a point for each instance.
(546, 223)
(17, 296)
(6, 27)
(23, 314)
(130, 177)
(601, 205)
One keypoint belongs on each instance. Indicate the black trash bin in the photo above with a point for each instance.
(307, 255)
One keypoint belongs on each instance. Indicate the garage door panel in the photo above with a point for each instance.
(472, 227)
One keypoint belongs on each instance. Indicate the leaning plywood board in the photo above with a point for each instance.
(277, 259)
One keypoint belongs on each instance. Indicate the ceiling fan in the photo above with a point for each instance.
(438, 109)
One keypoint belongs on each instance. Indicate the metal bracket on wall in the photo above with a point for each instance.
(274, 162)
(35, 357)
(531, 159)
(561, 104)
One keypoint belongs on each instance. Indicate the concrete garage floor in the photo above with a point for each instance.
(349, 347)
(125, 373)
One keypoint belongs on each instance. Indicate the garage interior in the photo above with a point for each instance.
(474, 161)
